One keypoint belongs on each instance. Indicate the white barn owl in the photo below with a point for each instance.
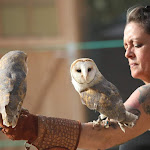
(99, 94)
(13, 71)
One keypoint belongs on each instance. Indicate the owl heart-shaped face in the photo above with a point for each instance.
(83, 71)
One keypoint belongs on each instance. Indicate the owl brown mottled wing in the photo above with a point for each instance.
(104, 98)
(13, 70)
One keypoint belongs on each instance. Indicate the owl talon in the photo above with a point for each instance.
(122, 126)
(129, 125)
(96, 123)
(106, 125)
(99, 122)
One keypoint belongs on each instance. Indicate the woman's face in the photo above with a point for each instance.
(137, 46)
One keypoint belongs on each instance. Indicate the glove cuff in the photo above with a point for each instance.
(26, 128)
(57, 133)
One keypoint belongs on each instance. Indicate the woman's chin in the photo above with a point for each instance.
(135, 76)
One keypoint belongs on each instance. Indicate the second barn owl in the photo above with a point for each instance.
(13, 71)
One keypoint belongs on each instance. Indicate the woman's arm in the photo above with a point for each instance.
(138, 103)
(47, 132)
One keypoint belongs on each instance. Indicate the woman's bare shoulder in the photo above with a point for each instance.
(140, 99)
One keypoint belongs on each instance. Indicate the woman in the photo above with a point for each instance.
(47, 133)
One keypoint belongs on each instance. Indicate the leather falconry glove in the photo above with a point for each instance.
(45, 133)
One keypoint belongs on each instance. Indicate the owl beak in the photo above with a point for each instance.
(85, 76)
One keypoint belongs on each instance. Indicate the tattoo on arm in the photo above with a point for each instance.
(133, 110)
(146, 108)
(144, 98)
(144, 94)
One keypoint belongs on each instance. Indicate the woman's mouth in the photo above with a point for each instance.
(132, 65)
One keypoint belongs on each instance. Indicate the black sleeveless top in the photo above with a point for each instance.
(141, 142)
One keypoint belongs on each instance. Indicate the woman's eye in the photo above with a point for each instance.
(138, 45)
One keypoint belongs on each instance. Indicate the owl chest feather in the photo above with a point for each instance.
(101, 97)
(94, 100)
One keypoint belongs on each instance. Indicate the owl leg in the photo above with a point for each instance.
(123, 125)
(96, 122)
(105, 122)
(129, 121)
(129, 125)
(102, 117)
(102, 120)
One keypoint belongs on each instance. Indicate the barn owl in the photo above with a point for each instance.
(13, 71)
(99, 94)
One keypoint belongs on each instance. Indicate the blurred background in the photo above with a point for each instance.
(56, 32)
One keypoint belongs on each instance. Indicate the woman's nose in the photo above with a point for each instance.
(129, 53)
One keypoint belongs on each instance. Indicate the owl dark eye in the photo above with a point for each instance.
(79, 70)
(89, 69)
